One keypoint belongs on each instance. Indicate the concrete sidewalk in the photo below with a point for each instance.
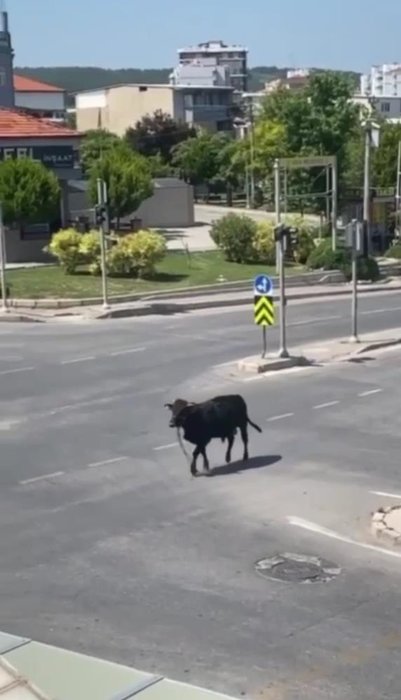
(50, 673)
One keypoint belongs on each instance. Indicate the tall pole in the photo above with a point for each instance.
(366, 188)
(4, 305)
(283, 342)
(277, 200)
(252, 152)
(398, 191)
(102, 201)
(334, 208)
(354, 334)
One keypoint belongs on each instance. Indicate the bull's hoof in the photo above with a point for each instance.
(228, 459)
(194, 472)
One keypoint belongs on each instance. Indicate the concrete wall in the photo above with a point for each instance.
(172, 205)
(21, 251)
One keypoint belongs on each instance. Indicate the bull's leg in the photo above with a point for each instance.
(206, 465)
(195, 455)
(244, 435)
(230, 440)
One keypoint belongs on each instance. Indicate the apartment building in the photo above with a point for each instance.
(234, 58)
(119, 107)
(382, 81)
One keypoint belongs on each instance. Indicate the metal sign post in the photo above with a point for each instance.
(103, 223)
(4, 305)
(354, 241)
(263, 305)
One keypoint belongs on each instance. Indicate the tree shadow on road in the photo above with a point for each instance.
(261, 462)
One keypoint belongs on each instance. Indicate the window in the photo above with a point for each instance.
(143, 88)
(385, 107)
(3, 77)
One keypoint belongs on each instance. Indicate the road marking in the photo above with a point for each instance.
(77, 359)
(370, 393)
(311, 321)
(126, 352)
(383, 494)
(319, 530)
(381, 311)
(114, 460)
(41, 478)
(275, 418)
(325, 405)
(16, 370)
(166, 447)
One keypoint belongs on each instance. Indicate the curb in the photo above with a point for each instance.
(273, 364)
(386, 524)
(171, 308)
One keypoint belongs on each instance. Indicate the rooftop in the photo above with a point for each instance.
(213, 47)
(24, 84)
(16, 123)
(156, 86)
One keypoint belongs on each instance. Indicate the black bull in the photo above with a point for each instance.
(217, 418)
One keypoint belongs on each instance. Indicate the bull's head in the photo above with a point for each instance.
(177, 412)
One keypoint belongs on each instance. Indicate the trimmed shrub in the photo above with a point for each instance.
(65, 246)
(137, 254)
(90, 250)
(264, 243)
(235, 235)
(324, 258)
(394, 251)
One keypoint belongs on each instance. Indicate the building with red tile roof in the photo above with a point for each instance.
(18, 124)
(24, 84)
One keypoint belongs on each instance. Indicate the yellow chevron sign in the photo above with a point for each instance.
(264, 311)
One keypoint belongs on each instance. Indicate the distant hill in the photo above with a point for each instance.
(76, 78)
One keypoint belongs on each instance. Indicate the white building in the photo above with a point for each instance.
(46, 101)
(206, 72)
(233, 57)
(382, 81)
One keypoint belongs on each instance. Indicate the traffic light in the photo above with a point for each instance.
(286, 234)
(100, 215)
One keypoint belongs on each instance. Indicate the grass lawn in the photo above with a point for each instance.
(176, 270)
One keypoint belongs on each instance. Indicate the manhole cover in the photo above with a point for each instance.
(297, 568)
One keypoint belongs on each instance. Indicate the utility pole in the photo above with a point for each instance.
(252, 151)
(372, 132)
(4, 305)
(398, 192)
(102, 221)
(283, 234)
(277, 202)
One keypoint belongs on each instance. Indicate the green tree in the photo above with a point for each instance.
(198, 158)
(29, 192)
(128, 179)
(385, 157)
(157, 135)
(96, 143)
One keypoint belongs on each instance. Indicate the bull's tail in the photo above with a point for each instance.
(253, 425)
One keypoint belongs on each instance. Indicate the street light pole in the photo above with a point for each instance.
(102, 202)
(4, 305)
(366, 186)
(277, 203)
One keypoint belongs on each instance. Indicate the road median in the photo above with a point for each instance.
(321, 354)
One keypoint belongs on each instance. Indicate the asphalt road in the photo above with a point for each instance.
(108, 547)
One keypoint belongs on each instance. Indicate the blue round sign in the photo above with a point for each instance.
(262, 285)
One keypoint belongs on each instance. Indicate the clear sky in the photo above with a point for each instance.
(346, 34)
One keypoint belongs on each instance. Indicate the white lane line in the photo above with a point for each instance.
(372, 392)
(166, 447)
(16, 370)
(126, 352)
(381, 311)
(384, 494)
(275, 418)
(311, 321)
(319, 530)
(77, 359)
(114, 460)
(41, 478)
(325, 405)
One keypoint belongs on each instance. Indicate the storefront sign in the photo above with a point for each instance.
(55, 157)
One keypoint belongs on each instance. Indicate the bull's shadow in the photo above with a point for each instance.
(261, 462)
